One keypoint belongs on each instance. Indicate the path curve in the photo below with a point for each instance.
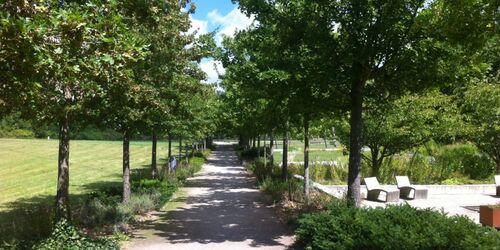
(221, 208)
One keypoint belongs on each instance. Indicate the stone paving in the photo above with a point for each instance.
(453, 204)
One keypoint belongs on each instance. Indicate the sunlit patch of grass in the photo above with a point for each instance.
(28, 167)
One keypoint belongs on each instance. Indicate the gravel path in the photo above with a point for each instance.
(220, 208)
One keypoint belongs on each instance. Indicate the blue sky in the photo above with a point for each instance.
(220, 15)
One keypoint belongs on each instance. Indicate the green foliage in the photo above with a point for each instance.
(482, 108)
(67, 236)
(263, 171)
(434, 163)
(394, 227)
(280, 190)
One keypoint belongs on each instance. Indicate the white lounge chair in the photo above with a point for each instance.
(497, 183)
(405, 189)
(374, 190)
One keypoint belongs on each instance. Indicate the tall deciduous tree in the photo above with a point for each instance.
(482, 109)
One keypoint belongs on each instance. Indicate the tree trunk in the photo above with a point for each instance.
(356, 143)
(284, 167)
(325, 141)
(497, 161)
(271, 148)
(169, 146)
(265, 153)
(62, 210)
(126, 166)
(306, 159)
(209, 142)
(180, 149)
(187, 153)
(253, 142)
(154, 168)
(258, 146)
(375, 165)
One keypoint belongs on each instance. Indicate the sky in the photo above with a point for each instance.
(217, 15)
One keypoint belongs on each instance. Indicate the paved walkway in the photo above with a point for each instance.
(220, 208)
(452, 204)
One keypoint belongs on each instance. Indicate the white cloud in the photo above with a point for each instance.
(213, 69)
(230, 23)
(227, 26)
(198, 26)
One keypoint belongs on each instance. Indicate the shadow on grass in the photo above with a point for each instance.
(32, 218)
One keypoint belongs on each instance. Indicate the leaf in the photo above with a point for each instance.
(107, 58)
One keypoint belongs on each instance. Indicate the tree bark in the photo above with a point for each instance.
(356, 143)
(265, 153)
(169, 146)
(253, 142)
(180, 149)
(284, 167)
(62, 210)
(187, 153)
(126, 166)
(154, 168)
(375, 165)
(497, 161)
(306, 159)
(271, 148)
(258, 146)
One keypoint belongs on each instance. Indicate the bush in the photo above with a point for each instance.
(478, 166)
(395, 227)
(66, 236)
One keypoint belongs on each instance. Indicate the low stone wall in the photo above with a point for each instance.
(340, 190)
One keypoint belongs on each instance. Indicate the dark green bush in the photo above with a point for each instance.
(66, 236)
(395, 227)
(263, 171)
(249, 153)
(478, 166)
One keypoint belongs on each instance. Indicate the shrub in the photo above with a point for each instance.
(478, 166)
(395, 227)
(66, 236)
(260, 171)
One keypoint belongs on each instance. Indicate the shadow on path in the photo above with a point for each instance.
(224, 210)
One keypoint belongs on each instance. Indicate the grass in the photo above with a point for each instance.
(317, 152)
(28, 167)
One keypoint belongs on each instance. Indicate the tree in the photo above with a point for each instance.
(405, 123)
(482, 110)
(75, 47)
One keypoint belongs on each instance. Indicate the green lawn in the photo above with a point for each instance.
(318, 152)
(28, 168)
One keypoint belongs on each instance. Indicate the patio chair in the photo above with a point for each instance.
(405, 189)
(497, 183)
(374, 190)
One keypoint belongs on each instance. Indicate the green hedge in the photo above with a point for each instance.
(395, 227)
